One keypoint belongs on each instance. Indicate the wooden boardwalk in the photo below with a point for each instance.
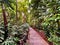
(35, 39)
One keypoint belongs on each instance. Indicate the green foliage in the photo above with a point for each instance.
(49, 11)
(42, 14)
(8, 3)
(9, 42)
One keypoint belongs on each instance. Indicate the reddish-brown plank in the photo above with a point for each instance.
(35, 38)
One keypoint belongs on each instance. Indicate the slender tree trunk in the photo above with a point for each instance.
(5, 21)
(16, 11)
(4, 15)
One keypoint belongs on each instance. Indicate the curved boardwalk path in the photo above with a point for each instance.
(35, 39)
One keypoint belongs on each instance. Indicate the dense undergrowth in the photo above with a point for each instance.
(40, 14)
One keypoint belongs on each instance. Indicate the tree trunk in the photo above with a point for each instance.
(4, 15)
(16, 12)
(5, 22)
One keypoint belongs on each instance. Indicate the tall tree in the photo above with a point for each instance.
(16, 11)
(3, 2)
(5, 21)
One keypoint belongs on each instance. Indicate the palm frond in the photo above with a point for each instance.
(8, 3)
